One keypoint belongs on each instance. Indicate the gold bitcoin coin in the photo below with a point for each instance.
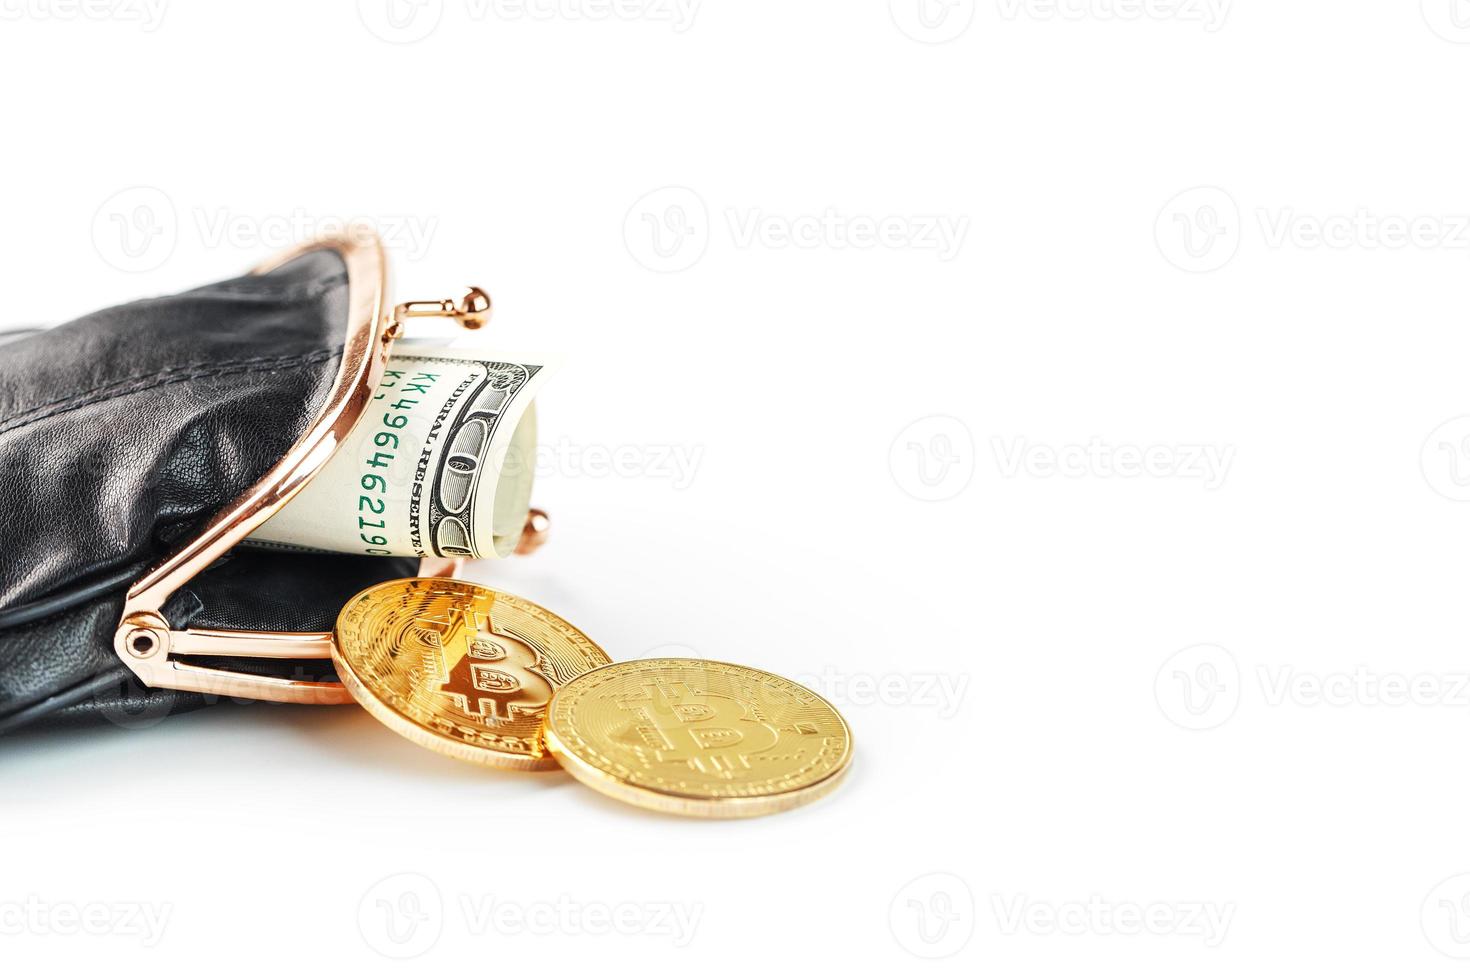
(698, 737)
(458, 667)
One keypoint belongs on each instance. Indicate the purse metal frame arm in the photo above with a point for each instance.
(145, 641)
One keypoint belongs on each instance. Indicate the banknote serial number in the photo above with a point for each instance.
(372, 504)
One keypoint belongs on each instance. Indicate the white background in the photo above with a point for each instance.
(1170, 681)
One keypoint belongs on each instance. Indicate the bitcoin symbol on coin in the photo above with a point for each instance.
(496, 676)
(677, 726)
(697, 737)
(459, 668)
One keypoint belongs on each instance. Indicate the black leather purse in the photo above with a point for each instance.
(140, 445)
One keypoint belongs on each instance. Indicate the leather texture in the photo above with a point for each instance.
(121, 434)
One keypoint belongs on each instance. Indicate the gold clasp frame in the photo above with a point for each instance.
(146, 642)
(471, 311)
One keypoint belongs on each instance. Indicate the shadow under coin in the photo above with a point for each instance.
(355, 738)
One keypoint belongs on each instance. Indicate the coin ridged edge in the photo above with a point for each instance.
(411, 730)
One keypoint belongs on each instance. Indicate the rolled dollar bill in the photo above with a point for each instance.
(441, 462)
